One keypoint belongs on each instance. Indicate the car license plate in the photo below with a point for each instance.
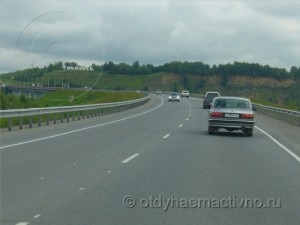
(232, 115)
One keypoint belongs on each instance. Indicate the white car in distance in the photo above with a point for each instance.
(185, 93)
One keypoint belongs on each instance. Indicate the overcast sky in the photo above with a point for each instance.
(36, 33)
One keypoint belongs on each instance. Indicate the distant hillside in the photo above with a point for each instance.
(283, 93)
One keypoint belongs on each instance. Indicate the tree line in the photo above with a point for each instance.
(199, 68)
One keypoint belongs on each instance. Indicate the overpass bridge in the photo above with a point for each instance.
(32, 92)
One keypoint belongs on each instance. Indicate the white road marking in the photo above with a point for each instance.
(42, 178)
(167, 135)
(130, 158)
(81, 129)
(180, 125)
(81, 189)
(74, 164)
(279, 144)
(187, 118)
(22, 223)
(36, 216)
(108, 171)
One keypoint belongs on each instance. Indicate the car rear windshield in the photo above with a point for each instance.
(212, 95)
(232, 103)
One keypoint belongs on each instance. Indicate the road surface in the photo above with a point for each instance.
(154, 164)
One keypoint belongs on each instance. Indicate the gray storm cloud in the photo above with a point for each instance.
(155, 32)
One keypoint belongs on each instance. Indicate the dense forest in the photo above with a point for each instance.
(176, 67)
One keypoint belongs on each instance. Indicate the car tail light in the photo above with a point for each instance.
(216, 114)
(247, 116)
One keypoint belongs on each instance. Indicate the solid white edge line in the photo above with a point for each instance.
(22, 223)
(130, 158)
(81, 129)
(167, 135)
(279, 144)
(180, 125)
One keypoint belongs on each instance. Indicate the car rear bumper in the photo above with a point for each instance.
(206, 103)
(239, 125)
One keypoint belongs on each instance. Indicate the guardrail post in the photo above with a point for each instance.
(47, 119)
(9, 123)
(54, 119)
(30, 121)
(40, 120)
(20, 122)
(61, 117)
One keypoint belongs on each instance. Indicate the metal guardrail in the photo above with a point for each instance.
(289, 116)
(67, 112)
(197, 95)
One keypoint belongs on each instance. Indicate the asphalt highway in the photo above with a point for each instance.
(154, 164)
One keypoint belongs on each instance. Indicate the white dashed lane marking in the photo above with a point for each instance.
(167, 135)
(130, 158)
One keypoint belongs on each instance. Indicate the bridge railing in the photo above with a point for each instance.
(65, 113)
(289, 116)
